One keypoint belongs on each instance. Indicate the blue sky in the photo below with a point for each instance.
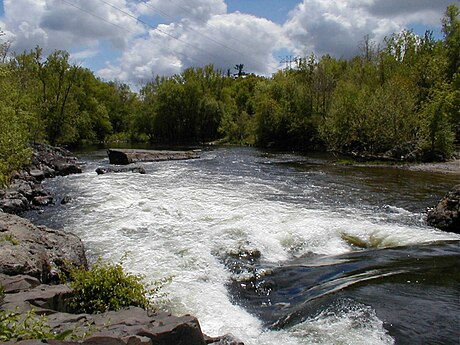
(105, 35)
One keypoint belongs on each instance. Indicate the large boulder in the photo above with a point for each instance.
(446, 214)
(36, 250)
(128, 156)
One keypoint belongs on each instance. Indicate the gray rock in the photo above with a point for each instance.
(66, 199)
(128, 156)
(13, 284)
(42, 200)
(446, 214)
(37, 174)
(13, 202)
(135, 169)
(44, 299)
(36, 250)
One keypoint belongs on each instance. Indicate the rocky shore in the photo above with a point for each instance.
(33, 257)
(25, 191)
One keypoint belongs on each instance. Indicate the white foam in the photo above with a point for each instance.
(173, 219)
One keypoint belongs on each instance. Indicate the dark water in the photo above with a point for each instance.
(414, 290)
(278, 248)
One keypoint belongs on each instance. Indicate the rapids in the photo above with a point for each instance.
(345, 256)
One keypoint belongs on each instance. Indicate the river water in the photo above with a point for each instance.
(277, 248)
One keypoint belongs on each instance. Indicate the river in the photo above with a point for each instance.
(276, 248)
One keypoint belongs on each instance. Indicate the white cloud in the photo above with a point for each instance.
(197, 10)
(337, 26)
(224, 40)
(63, 24)
(199, 32)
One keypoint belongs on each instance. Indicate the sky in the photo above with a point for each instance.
(134, 40)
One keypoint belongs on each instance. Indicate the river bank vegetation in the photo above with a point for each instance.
(400, 98)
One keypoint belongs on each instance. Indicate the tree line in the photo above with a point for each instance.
(400, 98)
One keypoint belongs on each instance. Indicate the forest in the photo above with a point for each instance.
(398, 99)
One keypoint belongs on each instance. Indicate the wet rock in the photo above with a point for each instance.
(12, 201)
(42, 200)
(36, 250)
(228, 339)
(128, 156)
(241, 260)
(52, 161)
(25, 191)
(66, 167)
(446, 214)
(37, 174)
(66, 199)
(135, 169)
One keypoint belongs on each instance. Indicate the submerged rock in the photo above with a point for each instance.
(135, 169)
(446, 214)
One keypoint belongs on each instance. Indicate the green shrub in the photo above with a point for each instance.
(10, 238)
(16, 326)
(2, 294)
(108, 287)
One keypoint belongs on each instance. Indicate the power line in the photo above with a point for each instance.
(158, 29)
(207, 23)
(96, 16)
(144, 2)
(124, 28)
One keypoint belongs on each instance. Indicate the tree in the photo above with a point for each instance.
(14, 151)
(239, 68)
(451, 30)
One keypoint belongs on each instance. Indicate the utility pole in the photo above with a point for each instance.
(288, 60)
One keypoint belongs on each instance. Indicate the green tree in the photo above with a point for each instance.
(451, 30)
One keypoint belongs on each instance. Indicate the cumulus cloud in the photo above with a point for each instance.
(65, 24)
(337, 26)
(171, 35)
(197, 10)
(224, 40)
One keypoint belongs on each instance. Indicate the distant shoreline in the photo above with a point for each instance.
(449, 167)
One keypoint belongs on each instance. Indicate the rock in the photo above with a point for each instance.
(53, 161)
(37, 174)
(42, 200)
(66, 199)
(446, 214)
(227, 339)
(22, 187)
(135, 169)
(36, 250)
(12, 201)
(25, 191)
(13, 284)
(44, 299)
(128, 156)
(65, 167)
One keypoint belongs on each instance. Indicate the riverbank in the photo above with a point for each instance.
(449, 167)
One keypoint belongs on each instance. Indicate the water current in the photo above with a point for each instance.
(277, 248)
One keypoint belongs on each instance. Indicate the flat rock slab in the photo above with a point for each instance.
(128, 156)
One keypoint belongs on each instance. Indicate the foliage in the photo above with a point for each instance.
(16, 326)
(108, 287)
(14, 152)
(402, 93)
(10, 238)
